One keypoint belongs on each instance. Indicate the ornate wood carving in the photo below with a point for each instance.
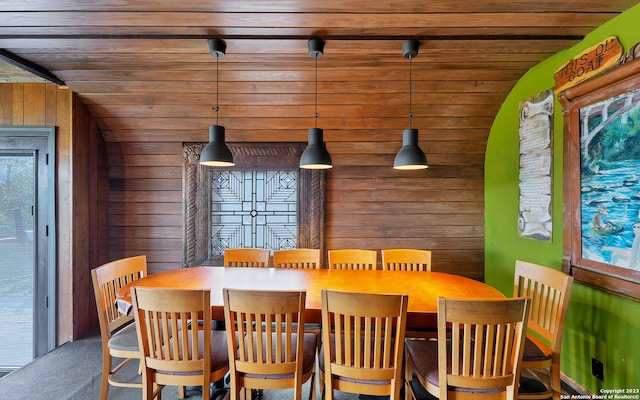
(257, 156)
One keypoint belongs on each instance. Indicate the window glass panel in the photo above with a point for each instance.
(253, 209)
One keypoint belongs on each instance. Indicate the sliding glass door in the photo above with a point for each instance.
(27, 245)
(17, 258)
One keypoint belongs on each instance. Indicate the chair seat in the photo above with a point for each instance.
(308, 357)
(534, 350)
(531, 387)
(424, 354)
(219, 353)
(125, 339)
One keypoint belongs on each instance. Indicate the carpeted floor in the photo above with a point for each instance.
(72, 372)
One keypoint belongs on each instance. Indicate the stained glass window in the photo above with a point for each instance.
(253, 209)
(264, 201)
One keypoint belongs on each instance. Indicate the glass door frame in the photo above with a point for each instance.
(48, 225)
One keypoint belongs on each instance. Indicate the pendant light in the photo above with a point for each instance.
(216, 153)
(316, 156)
(410, 155)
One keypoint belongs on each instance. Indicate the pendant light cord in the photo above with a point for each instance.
(216, 108)
(316, 111)
(410, 92)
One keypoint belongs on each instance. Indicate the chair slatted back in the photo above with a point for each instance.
(247, 258)
(363, 338)
(549, 291)
(265, 333)
(353, 259)
(406, 260)
(164, 318)
(297, 259)
(480, 343)
(108, 279)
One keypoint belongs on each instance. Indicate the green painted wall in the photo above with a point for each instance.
(598, 325)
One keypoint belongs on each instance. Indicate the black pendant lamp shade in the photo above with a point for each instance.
(216, 153)
(316, 156)
(410, 155)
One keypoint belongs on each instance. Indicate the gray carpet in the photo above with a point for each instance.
(72, 372)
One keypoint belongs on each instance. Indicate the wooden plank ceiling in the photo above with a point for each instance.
(144, 68)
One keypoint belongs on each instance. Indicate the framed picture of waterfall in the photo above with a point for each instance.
(601, 192)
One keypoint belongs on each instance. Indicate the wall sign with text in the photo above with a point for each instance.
(590, 62)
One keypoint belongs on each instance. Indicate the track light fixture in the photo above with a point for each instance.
(316, 156)
(410, 155)
(216, 153)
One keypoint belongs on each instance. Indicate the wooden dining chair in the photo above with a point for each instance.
(477, 354)
(549, 291)
(267, 347)
(300, 259)
(297, 259)
(353, 259)
(362, 343)
(117, 331)
(406, 260)
(172, 352)
(247, 257)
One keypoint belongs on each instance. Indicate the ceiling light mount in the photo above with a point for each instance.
(217, 153)
(410, 48)
(315, 47)
(217, 47)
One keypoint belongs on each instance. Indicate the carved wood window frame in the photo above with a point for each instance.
(603, 276)
(196, 191)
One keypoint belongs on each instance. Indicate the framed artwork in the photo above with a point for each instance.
(602, 180)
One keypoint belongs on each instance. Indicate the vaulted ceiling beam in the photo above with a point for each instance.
(29, 67)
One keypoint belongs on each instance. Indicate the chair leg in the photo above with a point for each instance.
(235, 392)
(554, 376)
(312, 386)
(408, 377)
(182, 392)
(321, 384)
(106, 370)
(148, 389)
(327, 390)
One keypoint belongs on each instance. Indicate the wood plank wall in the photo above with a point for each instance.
(145, 202)
(90, 221)
(370, 205)
(80, 189)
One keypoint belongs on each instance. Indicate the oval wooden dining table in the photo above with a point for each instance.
(423, 288)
